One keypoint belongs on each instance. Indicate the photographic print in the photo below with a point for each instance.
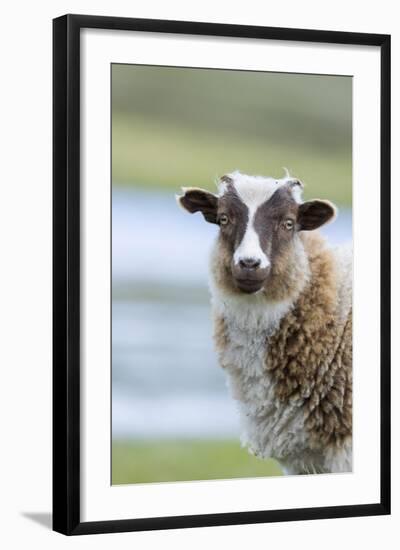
(221, 214)
(231, 274)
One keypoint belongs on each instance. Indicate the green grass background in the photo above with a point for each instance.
(179, 126)
(185, 460)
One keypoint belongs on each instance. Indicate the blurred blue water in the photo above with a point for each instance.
(165, 378)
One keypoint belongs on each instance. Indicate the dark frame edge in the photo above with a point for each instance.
(385, 273)
(66, 269)
(226, 30)
(226, 519)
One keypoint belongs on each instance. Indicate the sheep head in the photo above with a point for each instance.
(260, 224)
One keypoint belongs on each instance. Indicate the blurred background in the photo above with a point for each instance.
(172, 416)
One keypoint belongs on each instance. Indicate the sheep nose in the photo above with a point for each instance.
(249, 263)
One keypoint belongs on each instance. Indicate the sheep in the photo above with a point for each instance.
(282, 311)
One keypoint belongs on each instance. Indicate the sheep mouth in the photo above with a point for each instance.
(249, 286)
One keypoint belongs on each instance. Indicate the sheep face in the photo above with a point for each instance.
(259, 222)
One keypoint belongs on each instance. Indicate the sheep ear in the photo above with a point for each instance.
(313, 214)
(199, 200)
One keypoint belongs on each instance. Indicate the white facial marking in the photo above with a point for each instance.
(254, 191)
(250, 247)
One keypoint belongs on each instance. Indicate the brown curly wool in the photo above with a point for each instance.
(310, 356)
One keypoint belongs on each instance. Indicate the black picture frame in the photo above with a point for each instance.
(66, 273)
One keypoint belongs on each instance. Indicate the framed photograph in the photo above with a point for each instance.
(221, 274)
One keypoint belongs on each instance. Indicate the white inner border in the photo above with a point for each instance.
(101, 501)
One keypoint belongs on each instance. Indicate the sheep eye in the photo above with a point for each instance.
(288, 224)
(223, 219)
